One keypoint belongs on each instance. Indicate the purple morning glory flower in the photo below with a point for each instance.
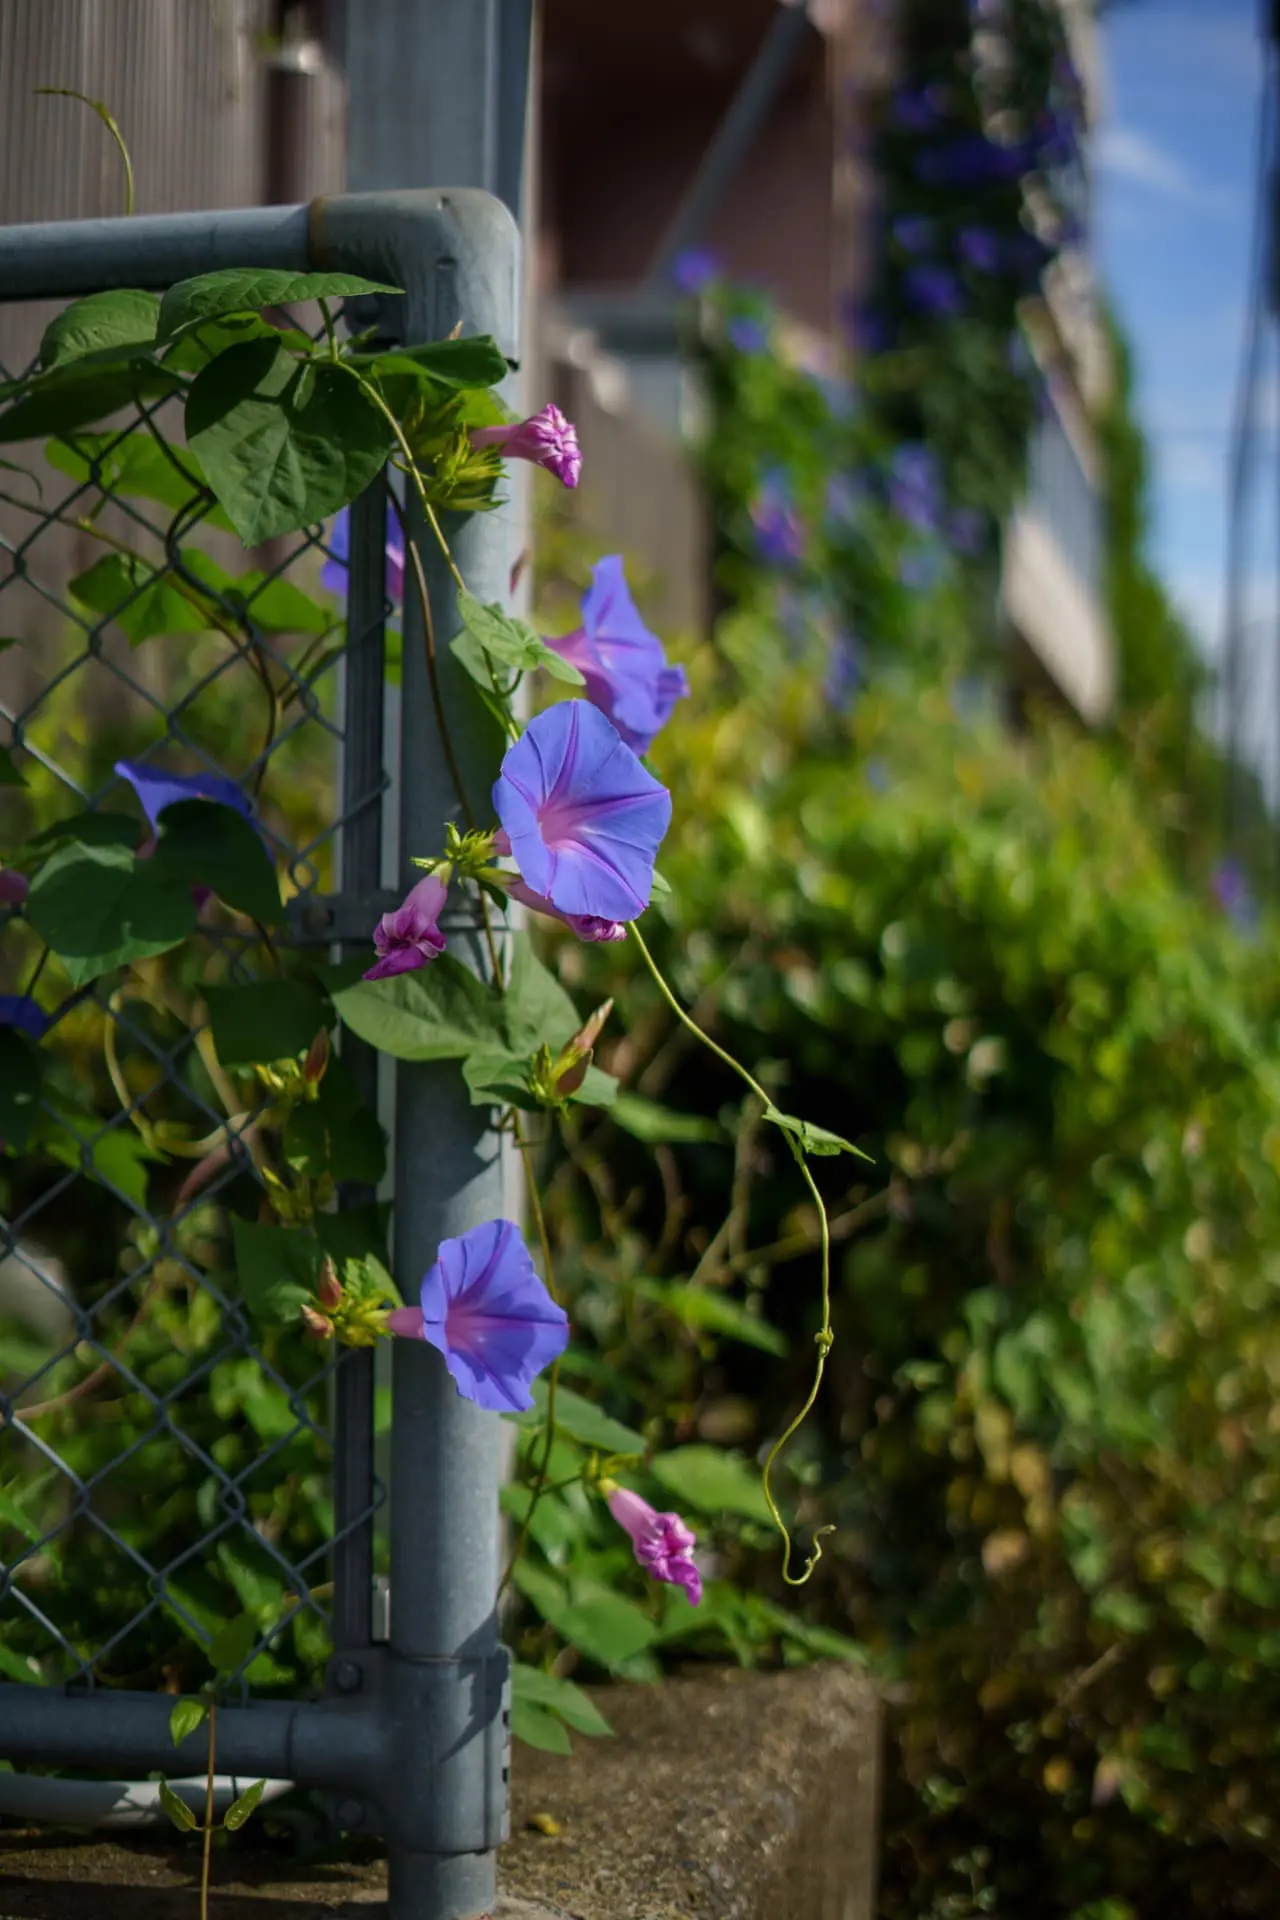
(979, 249)
(546, 438)
(14, 887)
(973, 161)
(20, 1010)
(587, 926)
(918, 109)
(334, 573)
(746, 334)
(624, 665)
(934, 289)
(918, 570)
(409, 938)
(866, 328)
(662, 1542)
(913, 487)
(779, 532)
(1234, 895)
(695, 269)
(583, 819)
(158, 790)
(485, 1309)
(844, 672)
(913, 233)
(965, 529)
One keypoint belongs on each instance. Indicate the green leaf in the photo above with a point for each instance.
(584, 1422)
(604, 1625)
(239, 1810)
(137, 467)
(187, 1715)
(232, 1644)
(598, 1089)
(273, 604)
(442, 1012)
(206, 844)
(19, 1667)
(9, 775)
(99, 908)
(279, 1268)
(84, 392)
(21, 1073)
(474, 362)
(811, 1139)
(117, 1157)
(657, 1125)
(279, 455)
(537, 1007)
(192, 351)
(249, 289)
(531, 1686)
(511, 641)
(142, 600)
(178, 1810)
(265, 1020)
(123, 317)
(91, 829)
(538, 1728)
(712, 1481)
(498, 1078)
(336, 1133)
(356, 1233)
(706, 1310)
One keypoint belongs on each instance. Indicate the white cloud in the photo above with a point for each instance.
(1138, 161)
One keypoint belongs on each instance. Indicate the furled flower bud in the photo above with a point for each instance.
(546, 438)
(316, 1323)
(329, 1289)
(313, 1067)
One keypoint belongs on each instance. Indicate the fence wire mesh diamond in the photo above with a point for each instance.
(166, 1472)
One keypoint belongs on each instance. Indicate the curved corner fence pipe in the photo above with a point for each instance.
(412, 1740)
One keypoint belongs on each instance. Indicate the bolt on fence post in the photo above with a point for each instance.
(449, 1176)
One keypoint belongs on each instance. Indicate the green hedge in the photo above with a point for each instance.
(1050, 1442)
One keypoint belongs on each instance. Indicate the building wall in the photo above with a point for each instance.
(210, 120)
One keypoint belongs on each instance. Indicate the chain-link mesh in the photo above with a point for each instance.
(164, 1469)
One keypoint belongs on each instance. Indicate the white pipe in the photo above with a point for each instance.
(118, 1803)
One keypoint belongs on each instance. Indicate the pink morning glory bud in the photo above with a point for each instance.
(587, 926)
(13, 887)
(409, 938)
(663, 1543)
(329, 1287)
(546, 438)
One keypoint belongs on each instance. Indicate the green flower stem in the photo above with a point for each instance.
(824, 1338)
(208, 1825)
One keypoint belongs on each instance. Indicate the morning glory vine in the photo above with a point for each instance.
(571, 831)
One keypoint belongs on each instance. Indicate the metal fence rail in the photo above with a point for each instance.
(410, 1739)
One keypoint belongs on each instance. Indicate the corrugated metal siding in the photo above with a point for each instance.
(189, 85)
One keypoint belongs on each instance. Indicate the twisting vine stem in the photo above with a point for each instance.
(825, 1337)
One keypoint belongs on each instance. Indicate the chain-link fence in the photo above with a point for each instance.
(182, 1495)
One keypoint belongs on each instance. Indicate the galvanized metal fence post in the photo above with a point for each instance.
(412, 1741)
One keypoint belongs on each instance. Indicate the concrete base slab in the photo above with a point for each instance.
(728, 1796)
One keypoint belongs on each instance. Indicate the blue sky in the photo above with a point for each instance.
(1174, 163)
